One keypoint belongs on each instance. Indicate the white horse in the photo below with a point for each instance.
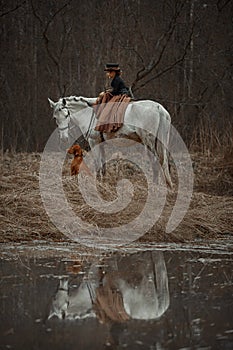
(145, 121)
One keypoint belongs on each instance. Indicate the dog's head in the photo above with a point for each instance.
(76, 150)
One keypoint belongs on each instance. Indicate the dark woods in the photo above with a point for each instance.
(176, 52)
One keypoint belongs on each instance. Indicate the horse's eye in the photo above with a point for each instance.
(59, 109)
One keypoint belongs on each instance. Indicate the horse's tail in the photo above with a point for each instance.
(163, 141)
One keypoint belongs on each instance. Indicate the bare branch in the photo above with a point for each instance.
(171, 66)
(12, 10)
(35, 13)
(161, 45)
(221, 6)
(45, 31)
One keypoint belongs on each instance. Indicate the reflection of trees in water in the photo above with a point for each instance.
(122, 288)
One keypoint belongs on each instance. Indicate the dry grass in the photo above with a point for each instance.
(23, 217)
(210, 136)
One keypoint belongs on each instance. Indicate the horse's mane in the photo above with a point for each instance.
(74, 99)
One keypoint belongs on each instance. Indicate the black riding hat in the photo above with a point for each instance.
(112, 67)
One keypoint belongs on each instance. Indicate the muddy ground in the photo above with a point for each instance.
(24, 219)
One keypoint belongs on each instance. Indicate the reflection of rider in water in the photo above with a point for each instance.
(108, 304)
(134, 286)
(130, 287)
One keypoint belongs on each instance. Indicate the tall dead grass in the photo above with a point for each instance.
(23, 217)
(210, 138)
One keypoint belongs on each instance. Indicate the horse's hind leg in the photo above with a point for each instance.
(153, 164)
(153, 157)
(163, 159)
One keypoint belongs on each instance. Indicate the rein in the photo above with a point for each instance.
(90, 124)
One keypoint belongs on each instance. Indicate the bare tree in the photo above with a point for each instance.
(177, 52)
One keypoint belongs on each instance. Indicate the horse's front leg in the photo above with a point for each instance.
(101, 158)
(97, 147)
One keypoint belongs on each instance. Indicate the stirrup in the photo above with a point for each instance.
(102, 136)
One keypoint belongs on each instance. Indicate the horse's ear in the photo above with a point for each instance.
(52, 104)
(64, 101)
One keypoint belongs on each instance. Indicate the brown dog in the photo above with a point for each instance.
(77, 163)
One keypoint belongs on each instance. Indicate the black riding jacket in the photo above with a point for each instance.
(118, 86)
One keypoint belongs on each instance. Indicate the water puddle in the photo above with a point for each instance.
(147, 297)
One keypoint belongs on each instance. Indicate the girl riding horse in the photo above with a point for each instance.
(111, 104)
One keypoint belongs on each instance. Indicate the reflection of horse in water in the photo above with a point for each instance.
(129, 287)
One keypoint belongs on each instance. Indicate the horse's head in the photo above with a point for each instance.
(63, 109)
(61, 114)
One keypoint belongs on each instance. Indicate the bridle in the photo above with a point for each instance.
(90, 124)
(66, 116)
